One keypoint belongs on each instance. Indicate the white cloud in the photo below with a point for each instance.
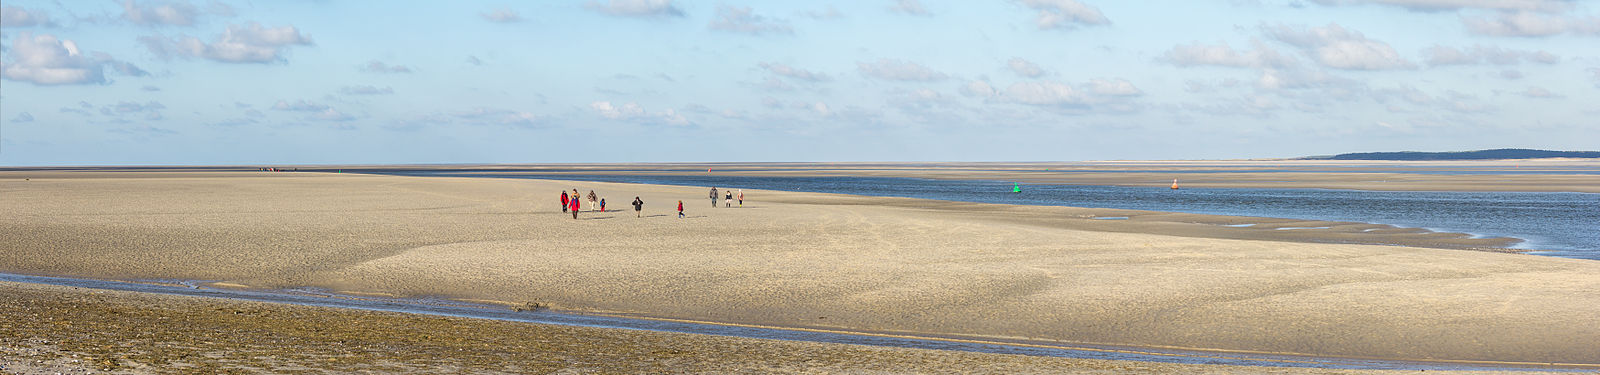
(1276, 79)
(1406, 93)
(1117, 87)
(1540, 92)
(125, 107)
(632, 112)
(1024, 68)
(821, 109)
(1510, 74)
(1530, 24)
(979, 89)
(1195, 54)
(635, 8)
(314, 111)
(897, 70)
(1335, 47)
(1045, 93)
(775, 84)
(300, 106)
(334, 115)
(22, 118)
(795, 73)
(1451, 5)
(498, 116)
(177, 13)
(911, 7)
(376, 66)
(46, 60)
(744, 20)
(826, 14)
(502, 15)
(1065, 14)
(365, 90)
(1479, 54)
(249, 43)
(20, 17)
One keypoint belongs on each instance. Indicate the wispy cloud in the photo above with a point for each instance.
(744, 20)
(898, 70)
(635, 8)
(248, 43)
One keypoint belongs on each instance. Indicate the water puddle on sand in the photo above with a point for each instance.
(318, 297)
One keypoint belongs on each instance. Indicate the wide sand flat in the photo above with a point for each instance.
(809, 260)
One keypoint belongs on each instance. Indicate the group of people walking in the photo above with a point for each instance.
(727, 201)
(570, 202)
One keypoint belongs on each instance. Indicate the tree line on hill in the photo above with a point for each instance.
(1504, 153)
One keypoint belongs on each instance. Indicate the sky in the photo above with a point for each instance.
(227, 82)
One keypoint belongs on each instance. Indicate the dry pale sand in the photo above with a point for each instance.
(808, 260)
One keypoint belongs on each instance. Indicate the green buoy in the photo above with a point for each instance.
(1015, 188)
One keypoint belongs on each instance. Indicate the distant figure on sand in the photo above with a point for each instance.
(602, 205)
(713, 197)
(638, 207)
(563, 201)
(729, 201)
(592, 198)
(680, 209)
(741, 197)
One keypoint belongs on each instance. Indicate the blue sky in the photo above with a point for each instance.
(277, 82)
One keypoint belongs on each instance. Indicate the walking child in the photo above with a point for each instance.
(563, 201)
(602, 205)
(638, 207)
(680, 209)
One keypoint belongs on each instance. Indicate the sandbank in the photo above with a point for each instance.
(810, 260)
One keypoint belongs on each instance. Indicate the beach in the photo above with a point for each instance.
(823, 261)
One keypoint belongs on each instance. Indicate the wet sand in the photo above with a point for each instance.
(61, 330)
(815, 260)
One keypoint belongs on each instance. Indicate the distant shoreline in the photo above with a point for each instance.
(1566, 175)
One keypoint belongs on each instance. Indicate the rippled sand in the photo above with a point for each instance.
(813, 260)
(59, 330)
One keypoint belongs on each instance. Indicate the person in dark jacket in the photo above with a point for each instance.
(638, 207)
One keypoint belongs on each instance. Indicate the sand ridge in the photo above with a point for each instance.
(811, 260)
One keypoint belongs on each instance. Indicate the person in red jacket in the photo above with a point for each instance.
(563, 201)
(573, 205)
(680, 209)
